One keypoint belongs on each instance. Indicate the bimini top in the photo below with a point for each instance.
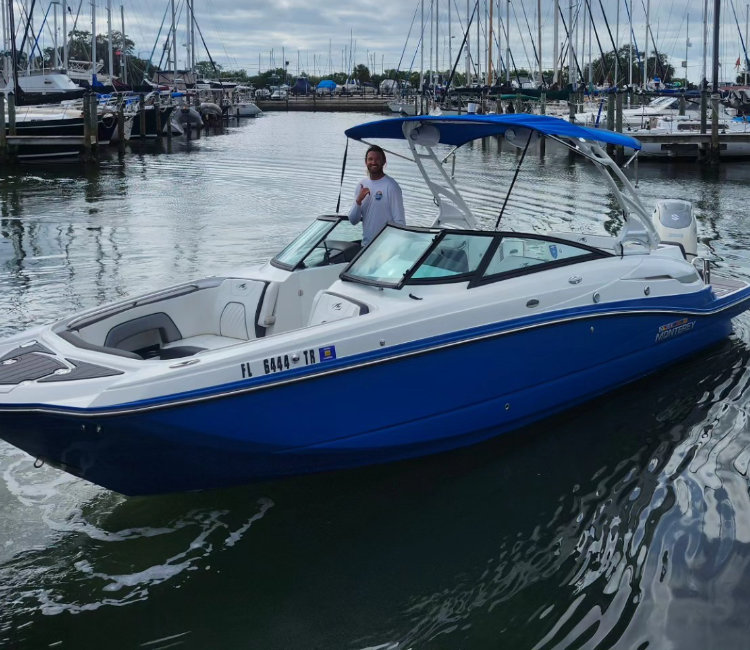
(459, 129)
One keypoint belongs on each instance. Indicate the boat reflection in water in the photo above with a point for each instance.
(221, 381)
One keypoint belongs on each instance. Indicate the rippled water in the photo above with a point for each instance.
(624, 524)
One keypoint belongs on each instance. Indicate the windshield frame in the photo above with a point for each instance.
(332, 219)
(474, 276)
(347, 275)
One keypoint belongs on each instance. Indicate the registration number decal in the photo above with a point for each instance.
(281, 362)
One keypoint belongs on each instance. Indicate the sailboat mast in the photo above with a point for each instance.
(65, 34)
(490, 44)
(704, 77)
(507, 42)
(632, 39)
(174, 49)
(715, 71)
(645, 56)
(617, 46)
(539, 38)
(468, 46)
(555, 37)
(421, 55)
(479, 59)
(93, 37)
(450, 49)
(124, 57)
(13, 50)
(437, 44)
(110, 52)
(571, 47)
(687, 45)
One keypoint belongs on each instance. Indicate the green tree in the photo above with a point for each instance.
(361, 73)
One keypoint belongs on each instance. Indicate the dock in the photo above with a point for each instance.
(692, 145)
(327, 103)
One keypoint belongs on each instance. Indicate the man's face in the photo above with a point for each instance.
(374, 163)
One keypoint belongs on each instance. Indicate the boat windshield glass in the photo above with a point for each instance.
(455, 254)
(392, 254)
(303, 243)
(326, 241)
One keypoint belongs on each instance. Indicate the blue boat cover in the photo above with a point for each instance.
(459, 129)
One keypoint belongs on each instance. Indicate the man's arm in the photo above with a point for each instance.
(355, 212)
(397, 205)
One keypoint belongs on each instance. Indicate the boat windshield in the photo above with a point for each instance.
(400, 256)
(328, 240)
(390, 257)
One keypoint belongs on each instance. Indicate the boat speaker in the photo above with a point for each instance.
(675, 223)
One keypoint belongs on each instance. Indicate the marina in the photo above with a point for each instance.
(149, 395)
(619, 523)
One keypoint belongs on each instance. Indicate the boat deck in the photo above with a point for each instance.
(723, 285)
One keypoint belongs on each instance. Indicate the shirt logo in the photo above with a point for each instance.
(378, 195)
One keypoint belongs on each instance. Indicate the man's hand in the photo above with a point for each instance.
(363, 192)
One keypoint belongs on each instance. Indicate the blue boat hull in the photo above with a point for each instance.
(419, 399)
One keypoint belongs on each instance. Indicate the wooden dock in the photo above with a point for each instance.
(346, 103)
(692, 145)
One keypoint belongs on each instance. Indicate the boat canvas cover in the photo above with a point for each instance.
(457, 130)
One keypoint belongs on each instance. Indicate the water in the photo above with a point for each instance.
(623, 524)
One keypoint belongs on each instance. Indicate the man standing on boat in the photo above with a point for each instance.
(378, 199)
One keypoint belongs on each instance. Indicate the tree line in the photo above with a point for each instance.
(600, 71)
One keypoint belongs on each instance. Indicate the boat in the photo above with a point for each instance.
(682, 137)
(638, 118)
(334, 356)
(43, 87)
(404, 106)
(45, 130)
(244, 108)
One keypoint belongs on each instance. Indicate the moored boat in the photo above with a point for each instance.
(333, 356)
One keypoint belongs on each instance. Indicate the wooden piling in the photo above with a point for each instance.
(121, 125)
(87, 127)
(11, 114)
(157, 118)
(714, 157)
(3, 139)
(620, 151)
(94, 117)
(142, 115)
(169, 118)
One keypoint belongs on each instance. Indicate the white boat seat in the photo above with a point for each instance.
(266, 313)
(143, 335)
(233, 322)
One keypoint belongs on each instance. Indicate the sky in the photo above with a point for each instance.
(323, 36)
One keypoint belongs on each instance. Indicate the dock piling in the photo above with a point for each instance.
(3, 139)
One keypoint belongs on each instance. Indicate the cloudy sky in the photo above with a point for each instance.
(317, 36)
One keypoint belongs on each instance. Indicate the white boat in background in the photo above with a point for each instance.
(44, 87)
(680, 137)
(243, 108)
(334, 356)
(637, 118)
(404, 106)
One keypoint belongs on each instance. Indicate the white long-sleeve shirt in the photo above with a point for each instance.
(384, 204)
